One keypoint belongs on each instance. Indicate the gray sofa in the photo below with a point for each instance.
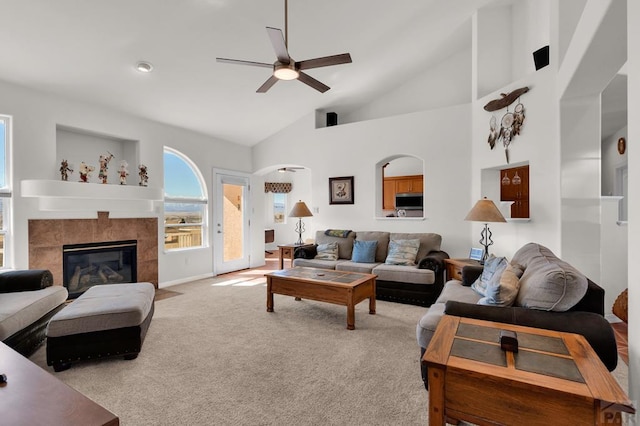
(551, 294)
(28, 300)
(416, 284)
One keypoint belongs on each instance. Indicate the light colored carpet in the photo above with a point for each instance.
(213, 355)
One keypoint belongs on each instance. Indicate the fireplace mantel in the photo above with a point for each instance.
(60, 195)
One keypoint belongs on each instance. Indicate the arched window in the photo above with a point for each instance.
(5, 191)
(185, 202)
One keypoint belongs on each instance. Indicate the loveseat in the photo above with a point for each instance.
(28, 300)
(549, 294)
(413, 275)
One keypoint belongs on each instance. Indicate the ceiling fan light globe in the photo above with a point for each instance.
(285, 72)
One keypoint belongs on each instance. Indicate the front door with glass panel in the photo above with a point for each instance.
(231, 222)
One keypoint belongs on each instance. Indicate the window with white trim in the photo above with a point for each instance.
(279, 208)
(185, 203)
(5, 191)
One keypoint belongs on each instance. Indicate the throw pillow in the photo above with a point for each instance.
(402, 252)
(492, 270)
(504, 292)
(328, 251)
(364, 251)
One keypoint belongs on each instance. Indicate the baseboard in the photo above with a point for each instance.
(184, 280)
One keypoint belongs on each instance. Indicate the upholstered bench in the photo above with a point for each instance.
(105, 321)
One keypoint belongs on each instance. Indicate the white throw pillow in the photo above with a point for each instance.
(402, 252)
(328, 251)
(492, 270)
(504, 292)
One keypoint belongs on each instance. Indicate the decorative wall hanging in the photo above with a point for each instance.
(341, 190)
(511, 122)
(277, 187)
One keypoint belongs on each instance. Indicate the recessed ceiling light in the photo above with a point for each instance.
(144, 66)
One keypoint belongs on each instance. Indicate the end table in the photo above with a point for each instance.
(285, 251)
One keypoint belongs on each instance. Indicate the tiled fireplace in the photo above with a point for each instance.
(47, 237)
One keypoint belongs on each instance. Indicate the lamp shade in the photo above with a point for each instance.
(300, 209)
(485, 211)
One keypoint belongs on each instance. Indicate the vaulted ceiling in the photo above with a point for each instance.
(87, 50)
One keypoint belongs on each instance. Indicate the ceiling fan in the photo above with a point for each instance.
(289, 169)
(285, 68)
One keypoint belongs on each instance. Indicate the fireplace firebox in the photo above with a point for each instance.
(86, 265)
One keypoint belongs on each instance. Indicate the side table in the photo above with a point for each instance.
(454, 267)
(285, 251)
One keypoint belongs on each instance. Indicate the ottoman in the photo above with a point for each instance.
(105, 321)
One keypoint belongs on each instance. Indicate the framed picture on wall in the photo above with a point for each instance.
(341, 190)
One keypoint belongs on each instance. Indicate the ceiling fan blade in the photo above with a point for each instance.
(267, 84)
(240, 62)
(343, 58)
(277, 40)
(310, 81)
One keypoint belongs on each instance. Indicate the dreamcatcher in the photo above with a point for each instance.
(511, 122)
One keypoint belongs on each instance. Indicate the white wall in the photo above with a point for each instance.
(611, 161)
(633, 31)
(354, 150)
(446, 84)
(538, 145)
(35, 116)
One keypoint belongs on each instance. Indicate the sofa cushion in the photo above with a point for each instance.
(20, 309)
(317, 263)
(402, 252)
(364, 251)
(328, 251)
(454, 290)
(350, 266)
(428, 241)
(491, 273)
(404, 274)
(505, 291)
(345, 245)
(548, 283)
(383, 242)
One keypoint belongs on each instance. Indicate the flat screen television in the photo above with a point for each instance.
(409, 201)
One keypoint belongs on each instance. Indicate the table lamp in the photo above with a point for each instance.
(485, 211)
(300, 210)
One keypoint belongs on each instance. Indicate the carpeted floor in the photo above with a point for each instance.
(213, 355)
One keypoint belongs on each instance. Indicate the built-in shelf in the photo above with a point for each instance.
(56, 195)
(61, 189)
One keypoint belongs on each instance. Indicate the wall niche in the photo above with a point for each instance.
(79, 145)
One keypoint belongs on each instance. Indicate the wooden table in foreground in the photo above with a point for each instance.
(324, 285)
(554, 378)
(32, 396)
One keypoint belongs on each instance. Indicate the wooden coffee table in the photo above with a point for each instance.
(554, 378)
(324, 285)
(32, 396)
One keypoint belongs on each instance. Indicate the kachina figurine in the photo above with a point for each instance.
(142, 172)
(104, 166)
(123, 172)
(85, 172)
(65, 170)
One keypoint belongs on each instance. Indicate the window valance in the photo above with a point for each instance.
(278, 187)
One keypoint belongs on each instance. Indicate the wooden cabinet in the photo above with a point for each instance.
(514, 186)
(398, 185)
